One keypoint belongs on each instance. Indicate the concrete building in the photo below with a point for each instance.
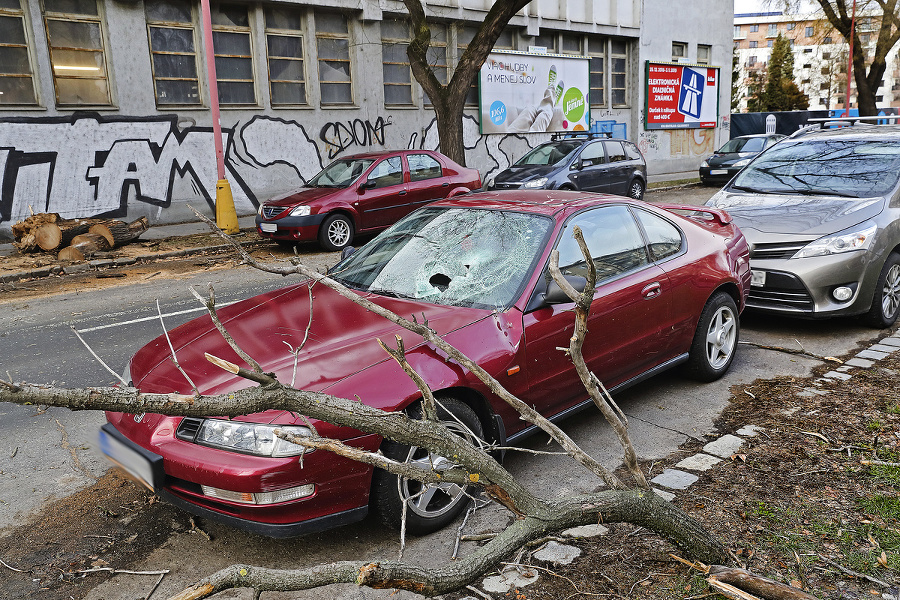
(820, 57)
(104, 106)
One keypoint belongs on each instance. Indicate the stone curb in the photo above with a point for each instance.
(102, 264)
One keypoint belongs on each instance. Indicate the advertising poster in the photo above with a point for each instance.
(523, 92)
(681, 96)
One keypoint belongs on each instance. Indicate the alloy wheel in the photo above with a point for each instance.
(721, 337)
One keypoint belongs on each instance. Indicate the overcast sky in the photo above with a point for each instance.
(750, 6)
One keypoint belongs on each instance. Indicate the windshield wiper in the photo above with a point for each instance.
(389, 293)
(820, 192)
(745, 188)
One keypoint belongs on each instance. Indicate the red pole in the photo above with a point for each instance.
(849, 60)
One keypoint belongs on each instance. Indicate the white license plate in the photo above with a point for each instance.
(718, 172)
(127, 458)
(758, 278)
(268, 227)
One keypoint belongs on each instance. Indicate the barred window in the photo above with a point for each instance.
(284, 47)
(619, 70)
(16, 72)
(170, 26)
(597, 52)
(77, 52)
(234, 59)
(333, 48)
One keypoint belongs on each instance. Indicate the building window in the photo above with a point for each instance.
(770, 43)
(571, 44)
(333, 48)
(464, 36)
(753, 44)
(737, 31)
(679, 51)
(773, 29)
(547, 40)
(790, 26)
(77, 52)
(284, 48)
(827, 40)
(619, 70)
(16, 74)
(172, 52)
(234, 59)
(809, 32)
(826, 56)
(751, 61)
(754, 28)
(704, 54)
(437, 55)
(395, 63)
(824, 86)
(597, 51)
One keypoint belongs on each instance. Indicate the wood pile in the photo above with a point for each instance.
(74, 239)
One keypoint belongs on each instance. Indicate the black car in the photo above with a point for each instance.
(589, 162)
(734, 156)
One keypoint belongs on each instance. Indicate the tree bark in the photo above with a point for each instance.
(119, 233)
(754, 584)
(90, 243)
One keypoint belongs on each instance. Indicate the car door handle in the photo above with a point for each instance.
(445, 184)
(401, 193)
(651, 291)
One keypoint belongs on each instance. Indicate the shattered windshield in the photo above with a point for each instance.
(468, 257)
(852, 168)
(549, 154)
(341, 173)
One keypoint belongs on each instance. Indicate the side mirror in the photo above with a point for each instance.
(347, 251)
(368, 184)
(555, 294)
(578, 164)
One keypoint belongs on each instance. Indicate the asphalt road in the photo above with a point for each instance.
(51, 453)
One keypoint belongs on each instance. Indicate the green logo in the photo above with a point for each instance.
(573, 105)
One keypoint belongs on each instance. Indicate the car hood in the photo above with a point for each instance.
(794, 214)
(302, 196)
(342, 340)
(524, 173)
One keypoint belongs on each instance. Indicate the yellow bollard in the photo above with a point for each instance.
(226, 216)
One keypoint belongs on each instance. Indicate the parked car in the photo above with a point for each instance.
(669, 293)
(360, 194)
(734, 156)
(573, 161)
(821, 213)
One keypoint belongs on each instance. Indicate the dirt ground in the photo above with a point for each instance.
(798, 505)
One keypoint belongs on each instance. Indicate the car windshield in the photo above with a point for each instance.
(853, 168)
(476, 258)
(551, 154)
(743, 145)
(341, 173)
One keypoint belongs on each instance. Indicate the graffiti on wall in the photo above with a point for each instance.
(692, 142)
(340, 135)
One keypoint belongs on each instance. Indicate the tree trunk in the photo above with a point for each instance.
(46, 231)
(23, 228)
(90, 243)
(71, 254)
(119, 233)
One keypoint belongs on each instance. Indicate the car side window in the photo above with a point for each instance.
(592, 155)
(663, 238)
(613, 238)
(632, 152)
(386, 173)
(423, 166)
(615, 151)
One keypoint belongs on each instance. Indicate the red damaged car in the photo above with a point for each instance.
(360, 194)
(669, 292)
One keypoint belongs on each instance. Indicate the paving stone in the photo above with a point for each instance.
(860, 362)
(873, 354)
(586, 531)
(667, 496)
(844, 369)
(699, 462)
(891, 341)
(558, 554)
(674, 479)
(836, 375)
(725, 446)
(749, 430)
(500, 584)
(882, 348)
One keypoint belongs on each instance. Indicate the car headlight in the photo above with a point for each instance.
(536, 183)
(259, 210)
(858, 239)
(250, 438)
(705, 163)
(742, 163)
(490, 184)
(300, 211)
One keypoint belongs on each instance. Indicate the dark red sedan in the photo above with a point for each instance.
(669, 292)
(362, 193)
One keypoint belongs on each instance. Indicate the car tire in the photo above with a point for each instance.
(886, 299)
(715, 340)
(636, 189)
(335, 232)
(441, 504)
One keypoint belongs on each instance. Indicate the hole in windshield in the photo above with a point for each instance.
(477, 258)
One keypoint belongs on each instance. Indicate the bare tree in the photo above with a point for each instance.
(535, 517)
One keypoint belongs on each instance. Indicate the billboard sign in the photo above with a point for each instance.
(523, 92)
(681, 96)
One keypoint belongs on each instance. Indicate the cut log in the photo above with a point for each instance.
(26, 243)
(23, 228)
(48, 236)
(119, 233)
(751, 583)
(90, 243)
(71, 253)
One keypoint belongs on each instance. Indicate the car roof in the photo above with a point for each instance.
(862, 131)
(540, 202)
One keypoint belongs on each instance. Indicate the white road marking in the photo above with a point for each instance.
(152, 318)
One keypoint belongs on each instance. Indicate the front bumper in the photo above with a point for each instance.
(802, 287)
(717, 174)
(292, 229)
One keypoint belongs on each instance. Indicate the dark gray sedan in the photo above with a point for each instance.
(821, 214)
(735, 155)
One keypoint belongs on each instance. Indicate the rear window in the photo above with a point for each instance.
(855, 168)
